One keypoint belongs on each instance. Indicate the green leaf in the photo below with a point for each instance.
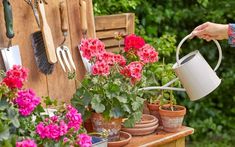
(122, 98)
(130, 122)
(126, 108)
(96, 104)
(15, 122)
(4, 132)
(116, 112)
(3, 104)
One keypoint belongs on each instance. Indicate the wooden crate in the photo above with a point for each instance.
(106, 26)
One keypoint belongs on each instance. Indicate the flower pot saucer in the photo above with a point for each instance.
(124, 140)
(141, 131)
(146, 118)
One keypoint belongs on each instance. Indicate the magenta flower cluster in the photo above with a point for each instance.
(84, 140)
(52, 129)
(74, 118)
(57, 128)
(26, 101)
(26, 143)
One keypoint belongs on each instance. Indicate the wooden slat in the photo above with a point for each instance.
(75, 37)
(114, 49)
(130, 23)
(107, 25)
(110, 22)
(111, 42)
(109, 33)
(58, 80)
(91, 20)
(180, 142)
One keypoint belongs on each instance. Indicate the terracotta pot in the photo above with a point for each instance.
(154, 110)
(88, 125)
(124, 140)
(113, 126)
(172, 120)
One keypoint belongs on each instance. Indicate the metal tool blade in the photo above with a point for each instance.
(11, 56)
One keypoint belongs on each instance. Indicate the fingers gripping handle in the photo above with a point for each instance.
(190, 36)
(8, 18)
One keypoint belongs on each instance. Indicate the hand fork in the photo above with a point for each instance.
(63, 52)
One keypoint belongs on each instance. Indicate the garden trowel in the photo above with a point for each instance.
(10, 54)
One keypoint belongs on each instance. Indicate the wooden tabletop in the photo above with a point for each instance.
(160, 137)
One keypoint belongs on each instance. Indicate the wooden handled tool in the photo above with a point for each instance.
(64, 18)
(47, 35)
(83, 12)
(8, 19)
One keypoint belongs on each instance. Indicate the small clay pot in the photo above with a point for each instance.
(154, 110)
(172, 120)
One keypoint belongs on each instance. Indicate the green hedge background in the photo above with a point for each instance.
(214, 116)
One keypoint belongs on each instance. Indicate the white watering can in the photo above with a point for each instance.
(195, 74)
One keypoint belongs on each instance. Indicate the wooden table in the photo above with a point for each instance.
(162, 139)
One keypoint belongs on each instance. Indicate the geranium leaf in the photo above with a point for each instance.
(4, 132)
(126, 108)
(122, 99)
(96, 105)
(130, 122)
(116, 112)
(136, 105)
(15, 122)
(137, 116)
(3, 104)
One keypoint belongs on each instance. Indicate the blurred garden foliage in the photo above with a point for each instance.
(214, 116)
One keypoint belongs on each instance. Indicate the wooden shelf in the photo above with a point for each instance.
(162, 139)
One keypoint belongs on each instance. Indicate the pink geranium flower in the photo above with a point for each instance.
(133, 71)
(100, 68)
(147, 54)
(15, 77)
(26, 101)
(74, 118)
(83, 140)
(91, 48)
(133, 42)
(26, 143)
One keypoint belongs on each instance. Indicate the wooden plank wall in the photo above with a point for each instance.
(106, 26)
(55, 85)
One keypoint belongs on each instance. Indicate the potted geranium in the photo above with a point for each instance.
(110, 91)
(24, 122)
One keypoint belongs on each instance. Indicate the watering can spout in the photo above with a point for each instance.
(194, 73)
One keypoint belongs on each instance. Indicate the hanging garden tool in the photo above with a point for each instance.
(42, 41)
(11, 54)
(63, 52)
(83, 12)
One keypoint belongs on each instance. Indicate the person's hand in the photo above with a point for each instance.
(209, 31)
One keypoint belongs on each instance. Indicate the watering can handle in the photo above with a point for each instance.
(189, 36)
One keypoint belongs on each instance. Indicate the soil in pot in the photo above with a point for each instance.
(154, 110)
(172, 120)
